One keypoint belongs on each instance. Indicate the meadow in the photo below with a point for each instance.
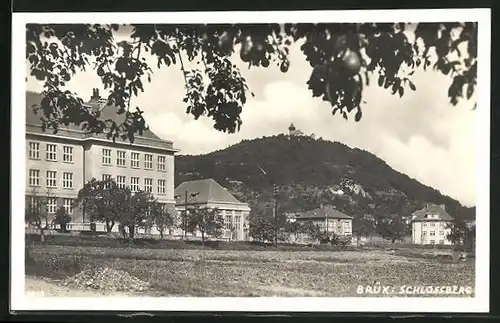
(206, 271)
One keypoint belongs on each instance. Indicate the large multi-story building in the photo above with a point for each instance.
(58, 165)
(207, 193)
(430, 225)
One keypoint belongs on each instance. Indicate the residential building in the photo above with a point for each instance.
(59, 164)
(329, 219)
(430, 225)
(207, 193)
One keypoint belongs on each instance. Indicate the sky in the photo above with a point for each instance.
(421, 134)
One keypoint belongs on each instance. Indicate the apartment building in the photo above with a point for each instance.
(429, 225)
(328, 219)
(58, 165)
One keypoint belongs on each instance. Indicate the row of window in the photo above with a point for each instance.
(433, 224)
(121, 159)
(134, 184)
(50, 178)
(434, 241)
(228, 222)
(52, 204)
(433, 233)
(106, 156)
(50, 152)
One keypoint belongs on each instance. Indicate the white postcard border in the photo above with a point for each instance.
(480, 303)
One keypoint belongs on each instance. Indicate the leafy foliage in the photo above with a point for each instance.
(107, 202)
(392, 228)
(160, 217)
(343, 57)
(262, 227)
(101, 199)
(460, 233)
(36, 212)
(208, 221)
(62, 218)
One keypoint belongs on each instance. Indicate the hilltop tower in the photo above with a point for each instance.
(292, 131)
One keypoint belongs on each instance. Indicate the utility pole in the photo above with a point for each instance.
(275, 213)
(184, 219)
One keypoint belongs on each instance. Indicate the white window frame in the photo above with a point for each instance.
(162, 163)
(134, 185)
(148, 184)
(67, 180)
(237, 222)
(121, 158)
(51, 205)
(34, 150)
(51, 180)
(432, 233)
(441, 232)
(105, 177)
(105, 158)
(121, 184)
(68, 205)
(135, 160)
(34, 177)
(424, 233)
(425, 224)
(148, 161)
(432, 241)
(68, 154)
(346, 225)
(433, 224)
(51, 153)
(161, 186)
(441, 241)
(228, 221)
(441, 224)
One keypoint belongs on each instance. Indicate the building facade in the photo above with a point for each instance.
(430, 225)
(207, 193)
(58, 165)
(328, 219)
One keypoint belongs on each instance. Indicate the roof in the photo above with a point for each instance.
(107, 112)
(324, 212)
(208, 191)
(440, 210)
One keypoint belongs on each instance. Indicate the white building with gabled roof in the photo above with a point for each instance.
(210, 194)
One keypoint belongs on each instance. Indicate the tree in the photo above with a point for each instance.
(344, 57)
(62, 219)
(292, 227)
(98, 198)
(261, 227)
(208, 221)
(160, 217)
(36, 212)
(132, 209)
(362, 227)
(314, 232)
(391, 228)
(457, 233)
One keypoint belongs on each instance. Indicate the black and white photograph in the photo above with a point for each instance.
(255, 161)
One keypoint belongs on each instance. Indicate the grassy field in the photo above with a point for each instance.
(211, 272)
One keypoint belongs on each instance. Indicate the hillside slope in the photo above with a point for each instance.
(312, 172)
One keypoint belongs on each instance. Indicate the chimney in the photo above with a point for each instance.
(95, 94)
(443, 207)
